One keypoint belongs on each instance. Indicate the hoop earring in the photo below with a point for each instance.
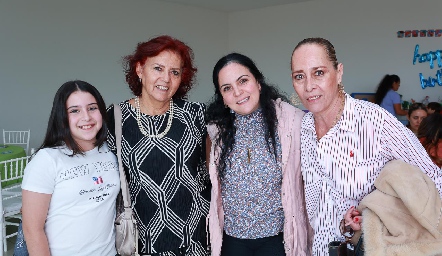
(294, 99)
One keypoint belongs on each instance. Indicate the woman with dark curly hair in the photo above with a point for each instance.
(257, 205)
(387, 97)
(430, 135)
(163, 149)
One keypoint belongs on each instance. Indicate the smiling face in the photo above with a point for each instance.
(161, 77)
(315, 79)
(415, 119)
(85, 119)
(239, 88)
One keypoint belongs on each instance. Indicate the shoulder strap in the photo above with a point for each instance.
(118, 135)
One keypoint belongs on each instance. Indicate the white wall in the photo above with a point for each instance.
(46, 43)
(363, 33)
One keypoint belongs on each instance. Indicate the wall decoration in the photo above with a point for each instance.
(432, 57)
(419, 33)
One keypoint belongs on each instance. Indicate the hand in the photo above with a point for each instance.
(353, 218)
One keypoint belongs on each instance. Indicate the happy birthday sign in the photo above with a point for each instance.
(431, 57)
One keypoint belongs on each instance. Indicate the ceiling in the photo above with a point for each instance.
(233, 5)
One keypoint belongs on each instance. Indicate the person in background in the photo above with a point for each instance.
(430, 135)
(434, 107)
(416, 113)
(257, 205)
(387, 97)
(345, 142)
(71, 184)
(163, 149)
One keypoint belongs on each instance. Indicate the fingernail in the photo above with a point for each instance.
(356, 219)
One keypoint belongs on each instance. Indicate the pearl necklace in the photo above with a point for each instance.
(338, 116)
(140, 125)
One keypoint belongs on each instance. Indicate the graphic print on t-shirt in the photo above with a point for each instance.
(92, 176)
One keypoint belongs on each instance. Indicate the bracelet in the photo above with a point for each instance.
(346, 230)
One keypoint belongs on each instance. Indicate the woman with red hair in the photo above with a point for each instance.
(163, 149)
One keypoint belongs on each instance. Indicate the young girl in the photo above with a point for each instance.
(71, 184)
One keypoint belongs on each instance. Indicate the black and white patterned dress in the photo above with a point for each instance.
(168, 180)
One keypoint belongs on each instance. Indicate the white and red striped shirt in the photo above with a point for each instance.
(340, 169)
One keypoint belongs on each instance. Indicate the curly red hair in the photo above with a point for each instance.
(152, 48)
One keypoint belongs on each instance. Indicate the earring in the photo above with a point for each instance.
(341, 88)
(139, 80)
(232, 112)
(294, 99)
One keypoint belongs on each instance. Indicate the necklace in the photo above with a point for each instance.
(338, 116)
(140, 125)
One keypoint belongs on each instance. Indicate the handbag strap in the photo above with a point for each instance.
(118, 135)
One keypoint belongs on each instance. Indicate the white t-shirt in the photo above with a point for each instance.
(84, 188)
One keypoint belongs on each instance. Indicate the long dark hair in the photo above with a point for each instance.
(384, 86)
(431, 130)
(58, 132)
(219, 115)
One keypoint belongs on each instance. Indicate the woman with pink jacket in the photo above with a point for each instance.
(257, 200)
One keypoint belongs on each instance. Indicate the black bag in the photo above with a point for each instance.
(338, 248)
(359, 248)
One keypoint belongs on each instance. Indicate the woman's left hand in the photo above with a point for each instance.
(353, 218)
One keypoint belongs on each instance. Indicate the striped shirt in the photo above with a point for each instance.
(340, 168)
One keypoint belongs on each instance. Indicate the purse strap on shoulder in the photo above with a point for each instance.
(118, 135)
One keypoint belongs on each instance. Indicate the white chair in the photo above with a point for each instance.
(11, 176)
(20, 138)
